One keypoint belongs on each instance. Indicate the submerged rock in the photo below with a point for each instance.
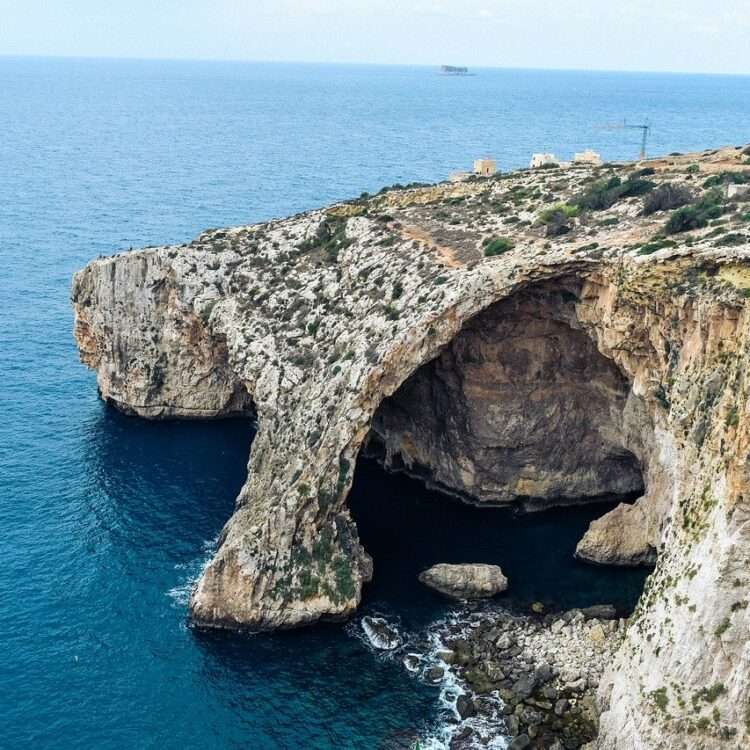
(380, 633)
(600, 612)
(470, 581)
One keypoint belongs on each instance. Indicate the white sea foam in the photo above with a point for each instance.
(488, 730)
(192, 571)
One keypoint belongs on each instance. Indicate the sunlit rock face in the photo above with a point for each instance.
(520, 407)
(620, 352)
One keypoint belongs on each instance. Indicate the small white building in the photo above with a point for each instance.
(588, 156)
(544, 160)
(485, 167)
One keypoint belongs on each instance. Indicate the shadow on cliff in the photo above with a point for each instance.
(406, 528)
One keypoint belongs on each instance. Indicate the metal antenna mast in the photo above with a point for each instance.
(645, 130)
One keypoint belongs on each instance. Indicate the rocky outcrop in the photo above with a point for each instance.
(545, 670)
(380, 634)
(467, 581)
(619, 538)
(316, 321)
(153, 354)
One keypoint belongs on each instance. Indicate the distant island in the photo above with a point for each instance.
(454, 70)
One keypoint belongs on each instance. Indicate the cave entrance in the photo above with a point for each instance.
(407, 527)
(519, 412)
(520, 408)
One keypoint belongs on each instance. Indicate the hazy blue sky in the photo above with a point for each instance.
(683, 35)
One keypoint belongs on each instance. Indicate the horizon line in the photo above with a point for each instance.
(250, 61)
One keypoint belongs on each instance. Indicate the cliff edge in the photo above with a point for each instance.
(540, 338)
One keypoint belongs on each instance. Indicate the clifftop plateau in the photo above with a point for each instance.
(537, 338)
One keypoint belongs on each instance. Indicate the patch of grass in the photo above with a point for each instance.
(497, 246)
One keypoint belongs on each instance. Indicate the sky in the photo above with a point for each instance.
(654, 35)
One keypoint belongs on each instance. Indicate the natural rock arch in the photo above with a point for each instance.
(676, 327)
(520, 407)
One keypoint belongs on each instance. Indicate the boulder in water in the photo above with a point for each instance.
(470, 581)
(381, 635)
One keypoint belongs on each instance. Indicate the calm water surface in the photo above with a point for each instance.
(106, 520)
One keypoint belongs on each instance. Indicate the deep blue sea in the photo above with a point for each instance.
(106, 520)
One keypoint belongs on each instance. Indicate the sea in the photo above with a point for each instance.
(106, 520)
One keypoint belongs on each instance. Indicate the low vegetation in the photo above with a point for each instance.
(727, 178)
(497, 246)
(603, 194)
(329, 238)
(666, 197)
(698, 214)
(557, 218)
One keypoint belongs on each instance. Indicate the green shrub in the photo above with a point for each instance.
(724, 625)
(497, 246)
(726, 178)
(710, 694)
(330, 237)
(603, 194)
(696, 215)
(654, 245)
(660, 698)
(733, 239)
(557, 218)
(665, 198)
(559, 208)
(693, 169)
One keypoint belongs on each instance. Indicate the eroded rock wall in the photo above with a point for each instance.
(152, 352)
(323, 316)
(519, 406)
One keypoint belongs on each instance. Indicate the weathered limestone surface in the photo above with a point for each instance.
(465, 581)
(519, 405)
(314, 321)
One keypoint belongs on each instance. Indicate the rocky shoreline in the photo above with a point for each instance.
(516, 681)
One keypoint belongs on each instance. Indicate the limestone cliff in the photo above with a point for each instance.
(505, 348)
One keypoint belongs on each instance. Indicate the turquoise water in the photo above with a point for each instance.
(106, 520)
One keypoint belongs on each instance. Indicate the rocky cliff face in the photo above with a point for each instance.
(519, 406)
(569, 366)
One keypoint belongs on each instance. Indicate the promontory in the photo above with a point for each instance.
(537, 338)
